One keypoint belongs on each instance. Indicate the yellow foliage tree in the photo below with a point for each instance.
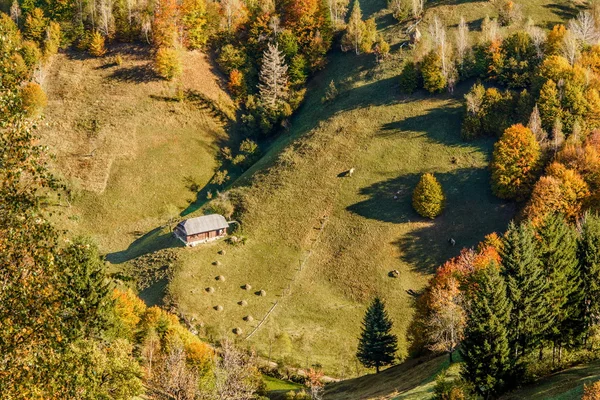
(34, 99)
(97, 45)
(515, 164)
(428, 198)
(168, 63)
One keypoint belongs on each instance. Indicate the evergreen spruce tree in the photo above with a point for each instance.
(558, 255)
(589, 269)
(377, 346)
(86, 288)
(485, 349)
(527, 285)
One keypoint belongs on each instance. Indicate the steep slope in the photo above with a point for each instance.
(132, 156)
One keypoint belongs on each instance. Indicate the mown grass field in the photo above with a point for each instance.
(320, 245)
(129, 153)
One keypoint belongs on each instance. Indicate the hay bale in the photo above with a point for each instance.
(248, 318)
(247, 286)
(218, 308)
(238, 331)
(217, 263)
(243, 303)
(261, 293)
(222, 252)
(210, 289)
(220, 278)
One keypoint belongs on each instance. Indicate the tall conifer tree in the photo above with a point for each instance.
(558, 255)
(526, 288)
(589, 268)
(485, 348)
(378, 345)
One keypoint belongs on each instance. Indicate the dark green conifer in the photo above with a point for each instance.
(558, 255)
(485, 349)
(377, 346)
(85, 289)
(589, 269)
(526, 284)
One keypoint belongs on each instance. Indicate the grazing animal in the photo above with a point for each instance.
(350, 171)
(452, 241)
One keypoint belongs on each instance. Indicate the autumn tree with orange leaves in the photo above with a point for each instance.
(516, 163)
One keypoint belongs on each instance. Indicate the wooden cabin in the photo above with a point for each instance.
(202, 229)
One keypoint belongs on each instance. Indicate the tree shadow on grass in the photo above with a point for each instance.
(136, 74)
(471, 212)
(157, 239)
(565, 10)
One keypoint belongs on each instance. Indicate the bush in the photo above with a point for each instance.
(428, 198)
(96, 46)
(409, 78)
(516, 162)
(34, 99)
(331, 93)
(220, 177)
(434, 80)
(221, 205)
(168, 63)
(446, 389)
(508, 12)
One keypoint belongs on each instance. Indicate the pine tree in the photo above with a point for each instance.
(558, 255)
(377, 346)
(588, 254)
(485, 349)
(527, 285)
(86, 290)
(273, 78)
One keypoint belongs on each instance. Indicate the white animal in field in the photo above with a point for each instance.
(350, 171)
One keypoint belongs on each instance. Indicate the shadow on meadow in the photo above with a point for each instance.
(471, 212)
(156, 239)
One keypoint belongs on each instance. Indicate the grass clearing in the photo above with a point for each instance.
(346, 233)
(132, 156)
(390, 140)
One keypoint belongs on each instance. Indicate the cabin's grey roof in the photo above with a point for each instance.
(205, 223)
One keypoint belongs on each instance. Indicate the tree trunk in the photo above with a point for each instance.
(377, 368)
(541, 356)
(450, 356)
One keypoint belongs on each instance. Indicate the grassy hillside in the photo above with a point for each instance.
(391, 140)
(131, 155)
(565, 385)
(415, 379)
(320, 244)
